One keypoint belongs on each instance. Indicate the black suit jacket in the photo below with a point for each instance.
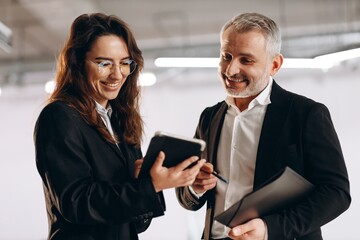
(89, 184)
(296, 132)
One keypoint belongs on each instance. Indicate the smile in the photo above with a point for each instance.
(115, 84)
(237, 80)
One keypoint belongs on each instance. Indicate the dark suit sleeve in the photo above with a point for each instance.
(186, 199)
(71, 174)
(321, 161)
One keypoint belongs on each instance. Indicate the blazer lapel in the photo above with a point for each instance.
(122, 149)
(215, 131)
(113, 146)
(274, 120)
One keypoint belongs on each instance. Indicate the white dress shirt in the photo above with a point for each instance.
(237, 152)
(105, 114)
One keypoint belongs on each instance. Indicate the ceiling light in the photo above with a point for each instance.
(187, 62)
(310, 63)
(320, 62)
(337, 57)
(214, 63)
(50, 86)
(147, 79)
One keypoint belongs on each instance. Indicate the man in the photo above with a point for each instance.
(257, 131)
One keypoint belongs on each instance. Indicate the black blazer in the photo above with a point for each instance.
(89, 184)
(296, 132)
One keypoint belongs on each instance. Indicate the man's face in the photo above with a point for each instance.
(245, 65)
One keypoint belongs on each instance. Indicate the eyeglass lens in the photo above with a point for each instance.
(126, 68)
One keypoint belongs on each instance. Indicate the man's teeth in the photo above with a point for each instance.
(236, 80)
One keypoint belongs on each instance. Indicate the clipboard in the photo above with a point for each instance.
(280, 191)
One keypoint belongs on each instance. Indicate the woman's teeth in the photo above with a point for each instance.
(111, 84)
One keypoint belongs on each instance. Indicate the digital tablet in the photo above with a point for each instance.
(176, 148)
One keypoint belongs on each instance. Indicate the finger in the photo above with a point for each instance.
(196, 168)
(241, 230)
(190, 175)
(235, 232)
(195, 172)
(187, 162)
(207, 167)
(159, 160)
(204, 175)
(206, 181)
(203, 188)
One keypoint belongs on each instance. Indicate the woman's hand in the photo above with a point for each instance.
(178, 176)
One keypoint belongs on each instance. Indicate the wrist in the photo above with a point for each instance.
(196, 194)
(157, 187)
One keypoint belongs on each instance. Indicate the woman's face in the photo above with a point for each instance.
(105, 67)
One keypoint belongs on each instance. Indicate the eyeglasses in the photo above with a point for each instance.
(127, 67)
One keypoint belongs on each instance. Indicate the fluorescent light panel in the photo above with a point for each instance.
(187, 62)
(340, 56)
(321, 62)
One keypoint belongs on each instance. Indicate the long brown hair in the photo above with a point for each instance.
(73, 87)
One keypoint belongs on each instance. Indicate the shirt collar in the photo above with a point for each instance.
(102, 111)
(262, 99)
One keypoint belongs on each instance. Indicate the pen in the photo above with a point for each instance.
(218, 176)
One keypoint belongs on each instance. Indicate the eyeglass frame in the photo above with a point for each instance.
(101, 65)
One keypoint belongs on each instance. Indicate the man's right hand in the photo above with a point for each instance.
(204, 180)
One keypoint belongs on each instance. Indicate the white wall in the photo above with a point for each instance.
(173, 105)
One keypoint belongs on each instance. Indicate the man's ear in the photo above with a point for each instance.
(276, 64)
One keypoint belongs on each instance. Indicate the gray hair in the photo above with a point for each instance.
(257, 22)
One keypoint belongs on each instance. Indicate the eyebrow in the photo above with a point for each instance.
(223, 50)
(247, 55)
(110, 59)
(227, 48)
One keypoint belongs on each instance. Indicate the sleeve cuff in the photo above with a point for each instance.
(197, 195)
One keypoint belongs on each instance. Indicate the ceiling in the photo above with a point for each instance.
(170, 28)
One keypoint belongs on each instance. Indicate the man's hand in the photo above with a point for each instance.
(204, 180)
(178, 176)
(253, 230)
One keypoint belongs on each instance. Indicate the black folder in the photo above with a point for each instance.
(279, 192)
(176, 148)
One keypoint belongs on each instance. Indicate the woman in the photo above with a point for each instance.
(88, 138)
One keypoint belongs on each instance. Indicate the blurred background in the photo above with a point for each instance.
(323, 34)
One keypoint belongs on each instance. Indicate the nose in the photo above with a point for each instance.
(233, 68)
(116, 72)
